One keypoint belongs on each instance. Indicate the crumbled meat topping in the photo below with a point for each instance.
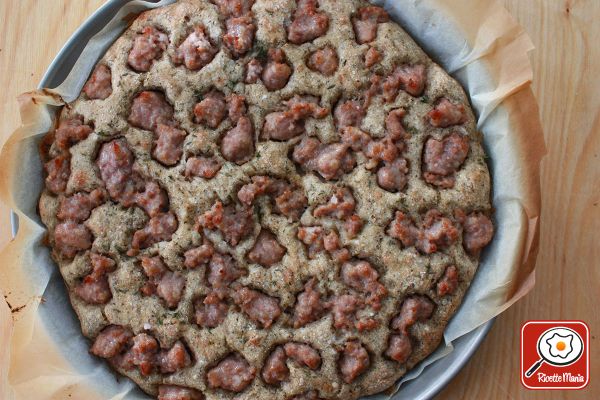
(260, 308)
(171, 392)
(446, 113)
(196, 51)
(365, 23)
(308, 23)
(94, 288)
(148, 46)
(288, 124)
(308, 306)
(234, 223)
(233, 374)
(99, 85)
(163, 282)
(442, 159)
(448, 282)
(354, 361)
(324, 61)
(266, 250)
(434, 233)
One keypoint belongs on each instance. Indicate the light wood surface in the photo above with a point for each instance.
(566, 67)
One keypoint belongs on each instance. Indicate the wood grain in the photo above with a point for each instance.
(566, 63)
(566, 68)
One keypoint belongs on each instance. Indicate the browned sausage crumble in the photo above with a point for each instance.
(260, 199)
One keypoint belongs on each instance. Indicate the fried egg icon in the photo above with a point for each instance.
(560, 346)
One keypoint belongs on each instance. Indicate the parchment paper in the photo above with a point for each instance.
(43, 354)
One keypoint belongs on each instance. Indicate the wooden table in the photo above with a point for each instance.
(566, 65)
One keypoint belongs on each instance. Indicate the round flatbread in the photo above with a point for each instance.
(269, 200)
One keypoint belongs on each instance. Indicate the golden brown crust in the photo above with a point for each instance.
(402, 270)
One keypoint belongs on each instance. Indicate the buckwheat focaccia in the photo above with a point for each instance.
(266, 200)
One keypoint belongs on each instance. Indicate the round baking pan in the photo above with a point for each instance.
(432, 379)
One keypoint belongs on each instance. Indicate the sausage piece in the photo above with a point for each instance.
(70, 238)
(204, 167)
(198, 256)
(437, 232)
(147, 47)
(234, 223)
(403, 228)
(393, 177)
(343, 310)
(153, 199)
(99, 85)
(174, 359)
(303, 354)
(233, 373)
(275, 369)
(211, 110)
(234, 8)
(318, 239)
(260, 185)
(441, 159)
(172, 392)
(399, 348)
(289, 200)
(308, 24)
(312, 236)
(448, 282)
(348, 113)
(236, 107)
(285, 125)
(71, 131)
(211, 311)
(58, 170)
(170, 288)
(254, 70)
(324, 60)
(142, 354)
(115, 162)
(79, 206)
(414, 308)
(329, 160)
(445, 114)
(111, 341)
(308, 306)
(237, 144)
(353, 226)
(158, 229)
(372, 57)
(266, 250)
(340, 206)
(365, 23)
(168, 147)
(259, 307)
(361, 276)
(277, 72)
(478, 231)
(222, 271)
(354, 361)
(240, 35)
(310, 395)
(150, 108)
(94, 289)
(410, 78)
(196, 51)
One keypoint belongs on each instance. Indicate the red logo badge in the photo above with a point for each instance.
(555, 354)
